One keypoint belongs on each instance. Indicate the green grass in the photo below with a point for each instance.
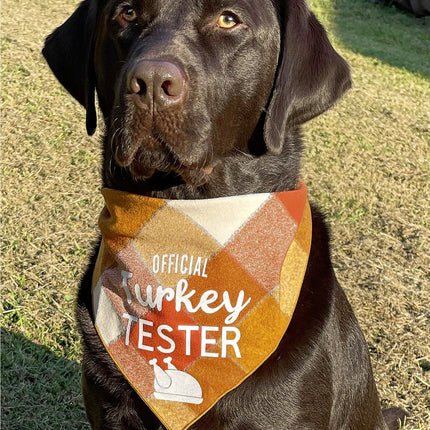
(47, 385)
(367, 166)
(379, 32)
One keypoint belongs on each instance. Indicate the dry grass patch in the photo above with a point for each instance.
(367, 167)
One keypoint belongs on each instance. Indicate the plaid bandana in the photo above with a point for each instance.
(190, 297)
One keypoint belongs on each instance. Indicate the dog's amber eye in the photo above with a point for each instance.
(227, 20)
(128, 14)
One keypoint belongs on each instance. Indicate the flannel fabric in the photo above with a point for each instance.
(190, 297)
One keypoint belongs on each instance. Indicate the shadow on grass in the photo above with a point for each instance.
(39, 389)
(385, 33)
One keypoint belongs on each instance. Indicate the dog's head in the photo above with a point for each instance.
(184, 84)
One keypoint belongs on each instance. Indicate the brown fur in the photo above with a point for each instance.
(235, 130)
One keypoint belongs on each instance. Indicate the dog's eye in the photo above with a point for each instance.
(127, 14)
(228, 20)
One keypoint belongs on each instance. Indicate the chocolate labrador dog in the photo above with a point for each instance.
(201, 99)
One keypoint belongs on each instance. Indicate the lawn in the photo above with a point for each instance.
(367, 167)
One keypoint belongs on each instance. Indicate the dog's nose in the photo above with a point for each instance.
(161, 83)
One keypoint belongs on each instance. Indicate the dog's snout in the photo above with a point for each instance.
(161, 83)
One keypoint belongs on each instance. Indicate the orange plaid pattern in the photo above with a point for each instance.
(191, 297)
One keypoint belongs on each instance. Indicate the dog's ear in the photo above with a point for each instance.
(69, 53)
(311, 75)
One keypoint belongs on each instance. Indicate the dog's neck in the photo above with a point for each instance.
(239, 173)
